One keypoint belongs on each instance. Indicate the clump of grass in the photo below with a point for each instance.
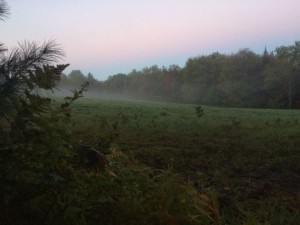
(235, 122)
(163, 113)
(199, 111)
(296, 121)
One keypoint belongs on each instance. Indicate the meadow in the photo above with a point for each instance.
(246, 159)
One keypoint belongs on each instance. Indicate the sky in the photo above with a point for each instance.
(106, 37)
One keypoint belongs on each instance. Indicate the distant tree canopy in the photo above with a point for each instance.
(242, 79)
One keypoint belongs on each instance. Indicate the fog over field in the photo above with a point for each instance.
(241, 79)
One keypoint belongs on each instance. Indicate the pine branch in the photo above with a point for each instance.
(2, 49)
(17, 64)
(4, 10)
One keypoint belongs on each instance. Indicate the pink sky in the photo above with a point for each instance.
(111, 36)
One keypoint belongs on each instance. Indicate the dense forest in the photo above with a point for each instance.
(242, 79)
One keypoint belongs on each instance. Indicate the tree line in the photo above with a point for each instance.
(241, 79)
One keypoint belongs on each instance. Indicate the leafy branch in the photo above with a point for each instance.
(76, 94)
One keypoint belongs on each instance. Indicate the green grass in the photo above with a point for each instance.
(250, 157)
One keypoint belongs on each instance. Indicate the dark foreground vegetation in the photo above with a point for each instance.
(122, 162)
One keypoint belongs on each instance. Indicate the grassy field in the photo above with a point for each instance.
(248, 159)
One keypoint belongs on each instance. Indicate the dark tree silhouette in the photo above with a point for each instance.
(15, 65)
(4, 10)
(18, 67)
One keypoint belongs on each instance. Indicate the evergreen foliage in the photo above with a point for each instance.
(4, 10)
